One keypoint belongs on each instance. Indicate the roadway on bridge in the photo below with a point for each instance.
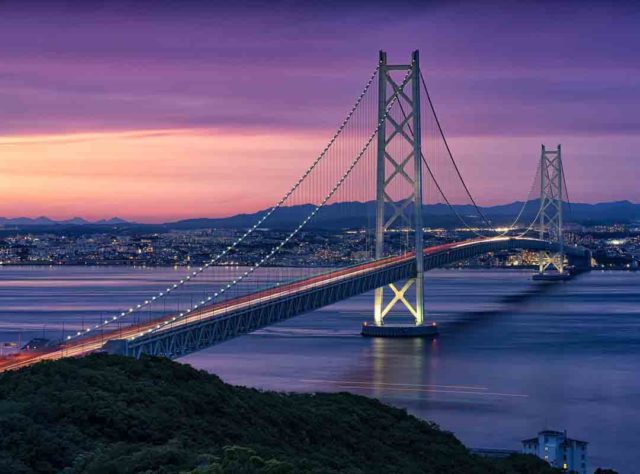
(96, 342)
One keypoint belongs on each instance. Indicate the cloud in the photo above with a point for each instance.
(131, 81)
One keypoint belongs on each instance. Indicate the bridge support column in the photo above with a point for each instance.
(399, 208)
(550, 214)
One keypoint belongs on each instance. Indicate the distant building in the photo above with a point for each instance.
(558, 450)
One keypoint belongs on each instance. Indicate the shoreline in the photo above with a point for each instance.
(125, 265)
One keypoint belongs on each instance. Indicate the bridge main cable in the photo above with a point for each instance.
(446, 144)
(209, 299)
(243, 237)
(464, 184)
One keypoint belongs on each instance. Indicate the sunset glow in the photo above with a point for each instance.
(182, 111)
(150, 175)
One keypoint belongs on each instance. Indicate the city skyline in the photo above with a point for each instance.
(109, 117)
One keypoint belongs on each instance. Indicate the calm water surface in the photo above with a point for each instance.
(513, 356)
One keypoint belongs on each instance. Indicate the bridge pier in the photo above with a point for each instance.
(399, 163)
(399, 330)
(557, 276)
(577, 265)
(551, 264)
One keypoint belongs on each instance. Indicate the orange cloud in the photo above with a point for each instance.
(149, 175)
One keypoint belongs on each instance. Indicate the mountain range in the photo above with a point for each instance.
(362, 214)
(355, 215)
(45, 221)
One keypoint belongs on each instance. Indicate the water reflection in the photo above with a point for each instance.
(512, 357)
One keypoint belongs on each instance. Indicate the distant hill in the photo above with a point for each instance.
(342, 215)
(112, 221)
(616, 211)
(108, 414)
(45, 221)
(362, 214)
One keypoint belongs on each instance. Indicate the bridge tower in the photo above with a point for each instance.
(399, 187)
(550, 215)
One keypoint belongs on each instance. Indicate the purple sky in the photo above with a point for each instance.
(504, 77)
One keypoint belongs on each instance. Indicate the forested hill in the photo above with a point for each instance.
(107, 414)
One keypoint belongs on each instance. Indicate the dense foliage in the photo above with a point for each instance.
(107, 414)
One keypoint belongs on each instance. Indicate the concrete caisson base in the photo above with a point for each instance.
(551, 276)
(399, 330)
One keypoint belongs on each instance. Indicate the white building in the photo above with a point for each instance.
(558, 450)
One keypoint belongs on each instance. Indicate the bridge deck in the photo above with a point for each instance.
(221, 321)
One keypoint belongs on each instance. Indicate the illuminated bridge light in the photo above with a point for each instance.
(438, 251)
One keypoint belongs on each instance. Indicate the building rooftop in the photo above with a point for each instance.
(554, 433)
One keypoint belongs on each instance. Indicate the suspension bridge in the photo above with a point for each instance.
(390, 150)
